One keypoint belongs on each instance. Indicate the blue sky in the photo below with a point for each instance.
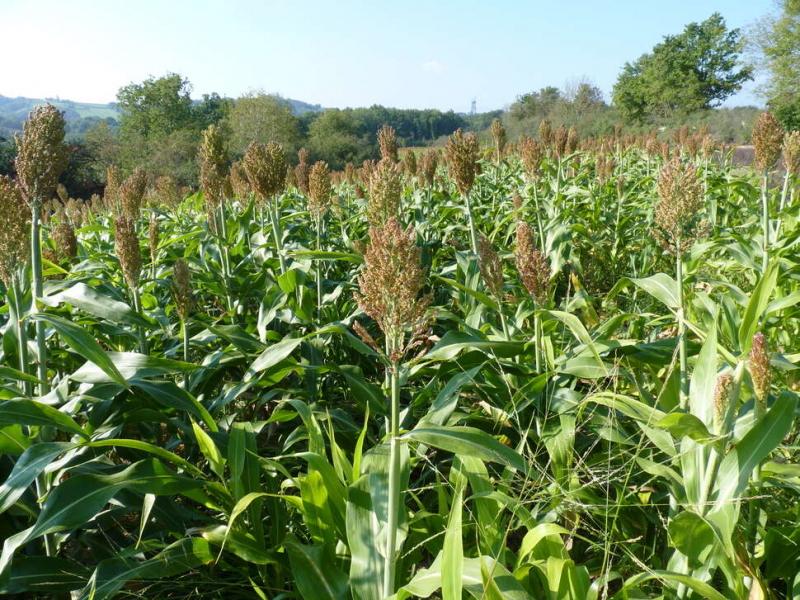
(409, 54)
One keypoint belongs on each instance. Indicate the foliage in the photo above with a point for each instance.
(694, 70)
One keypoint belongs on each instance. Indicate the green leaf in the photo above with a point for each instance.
(44, 575)
(27, 468)
(316, 575)
(112, 574)
(672, 579)
(82, 342)
(453, 551)
(756, 307)
(661, 286)
(210, 451)
(469, 441)
(95, 303)
(131, 365)
(685, 425)
(737, 466)
(693, 536)
(363, 533)
(32, 413)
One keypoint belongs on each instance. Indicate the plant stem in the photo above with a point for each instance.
(38, 285)
(185, 338)
(684, 380)
(137, 306)
(473, 235)
(22, 334)
(276, 232)
(537, 332)
(395, 499)
(222, 240)
(765, 222)
(319, 269)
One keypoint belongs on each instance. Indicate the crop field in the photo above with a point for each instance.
(554, 368)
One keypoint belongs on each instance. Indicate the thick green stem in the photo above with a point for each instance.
(22, 335)
(137, 306)
(185, 339)
(765, 223)
(682, 351)
(395, 494)
(473, 234)
(319, 270)
(222, 242)
(38, 286)
(537, 332)
(538, 217)
(274, 212)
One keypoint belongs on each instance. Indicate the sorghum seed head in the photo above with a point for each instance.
(111, 192)
(760, 367)
(132, 192)
(350, 173)
(61, 192)
(41, 154)
(517, 202)
(499, 138)
(462, 156)
(63, 236)
(410, 163)
(391, 282)
(767, 141)
(491, 267)
(560, 145)
(126, 244)
(385, 191)
(531, 152)
(301, 175)
(428, 165)
(319, 189)
(213, 159)
(722, 401)
(302, 156)
(708, 146)
(387, 141)
(680, 197)
(532, 264)
(266, 167)
(546, 134)
(182, 289)
(167, 191)
(15, 232)
(791, 152)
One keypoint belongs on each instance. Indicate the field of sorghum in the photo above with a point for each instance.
(557, 368)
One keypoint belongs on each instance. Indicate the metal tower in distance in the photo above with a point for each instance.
(474, 108)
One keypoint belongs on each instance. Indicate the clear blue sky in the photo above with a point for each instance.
(410, 54)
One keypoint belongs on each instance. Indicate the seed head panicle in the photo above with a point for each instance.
(41, 154)
(303, 156)
(410, 163)
(167, 191)
(387, 141)
(708, 146)
(213, 160)
(385, 192)
(760, 369)
(767, 141)
(61, 192)
(131, 193)
(390, 286)
(63, 236)
(182, 289)
(301, 177)
(680, 197)
(573, 140)
(126, 244)
(532, 264)
(546, 134)
(531, 152)
(791, 152)
(722, 402)
(15, 232)
(266, 167)
(462, 157)
(560, 141)
(350, 173)
(491, 267)
(111, 192)
(428, 164)
(499, 138)
(319, 189)
(239, 181)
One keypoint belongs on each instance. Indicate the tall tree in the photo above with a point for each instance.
(696, 69)
(776, 42)
(262, 118)
(155, 107)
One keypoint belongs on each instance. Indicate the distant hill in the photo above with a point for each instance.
(14, 111)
